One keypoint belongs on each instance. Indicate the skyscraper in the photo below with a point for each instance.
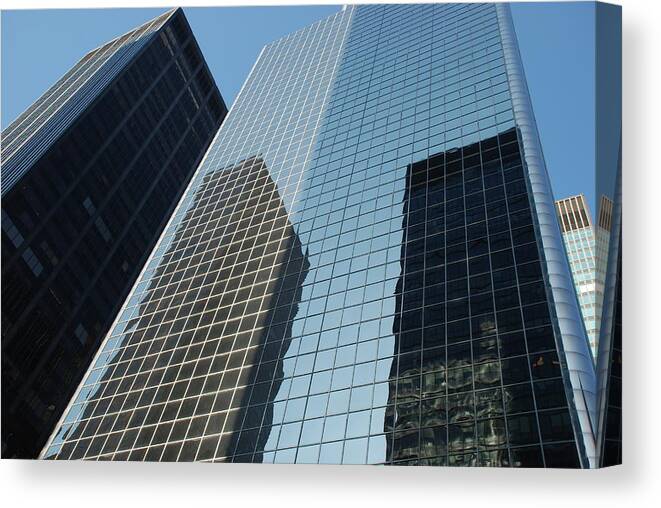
(90, 174)
(366, 268)
(587, 249)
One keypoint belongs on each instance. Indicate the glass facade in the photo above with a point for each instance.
(587, 249)
(90, 174)
(602, 238)
(356, 274)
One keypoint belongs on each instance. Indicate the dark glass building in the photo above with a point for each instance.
(91, 173)
(455, 401)
(366, 269)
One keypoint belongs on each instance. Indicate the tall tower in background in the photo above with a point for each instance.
(413, 305)
(90, 174)
(603, 228)
(587, 250)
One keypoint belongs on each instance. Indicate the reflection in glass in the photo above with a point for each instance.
(371, 282)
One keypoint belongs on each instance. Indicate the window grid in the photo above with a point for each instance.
(331, 366)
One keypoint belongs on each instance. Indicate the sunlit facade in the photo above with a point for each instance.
(587, 249)
(360, 270)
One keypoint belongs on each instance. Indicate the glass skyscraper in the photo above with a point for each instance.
(587, 249)
(91, 172)
(602, 237)
(367, 268)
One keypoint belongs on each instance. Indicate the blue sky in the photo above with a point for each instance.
(556, 42)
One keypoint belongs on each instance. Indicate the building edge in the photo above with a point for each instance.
(30, 150)
(578, 372)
